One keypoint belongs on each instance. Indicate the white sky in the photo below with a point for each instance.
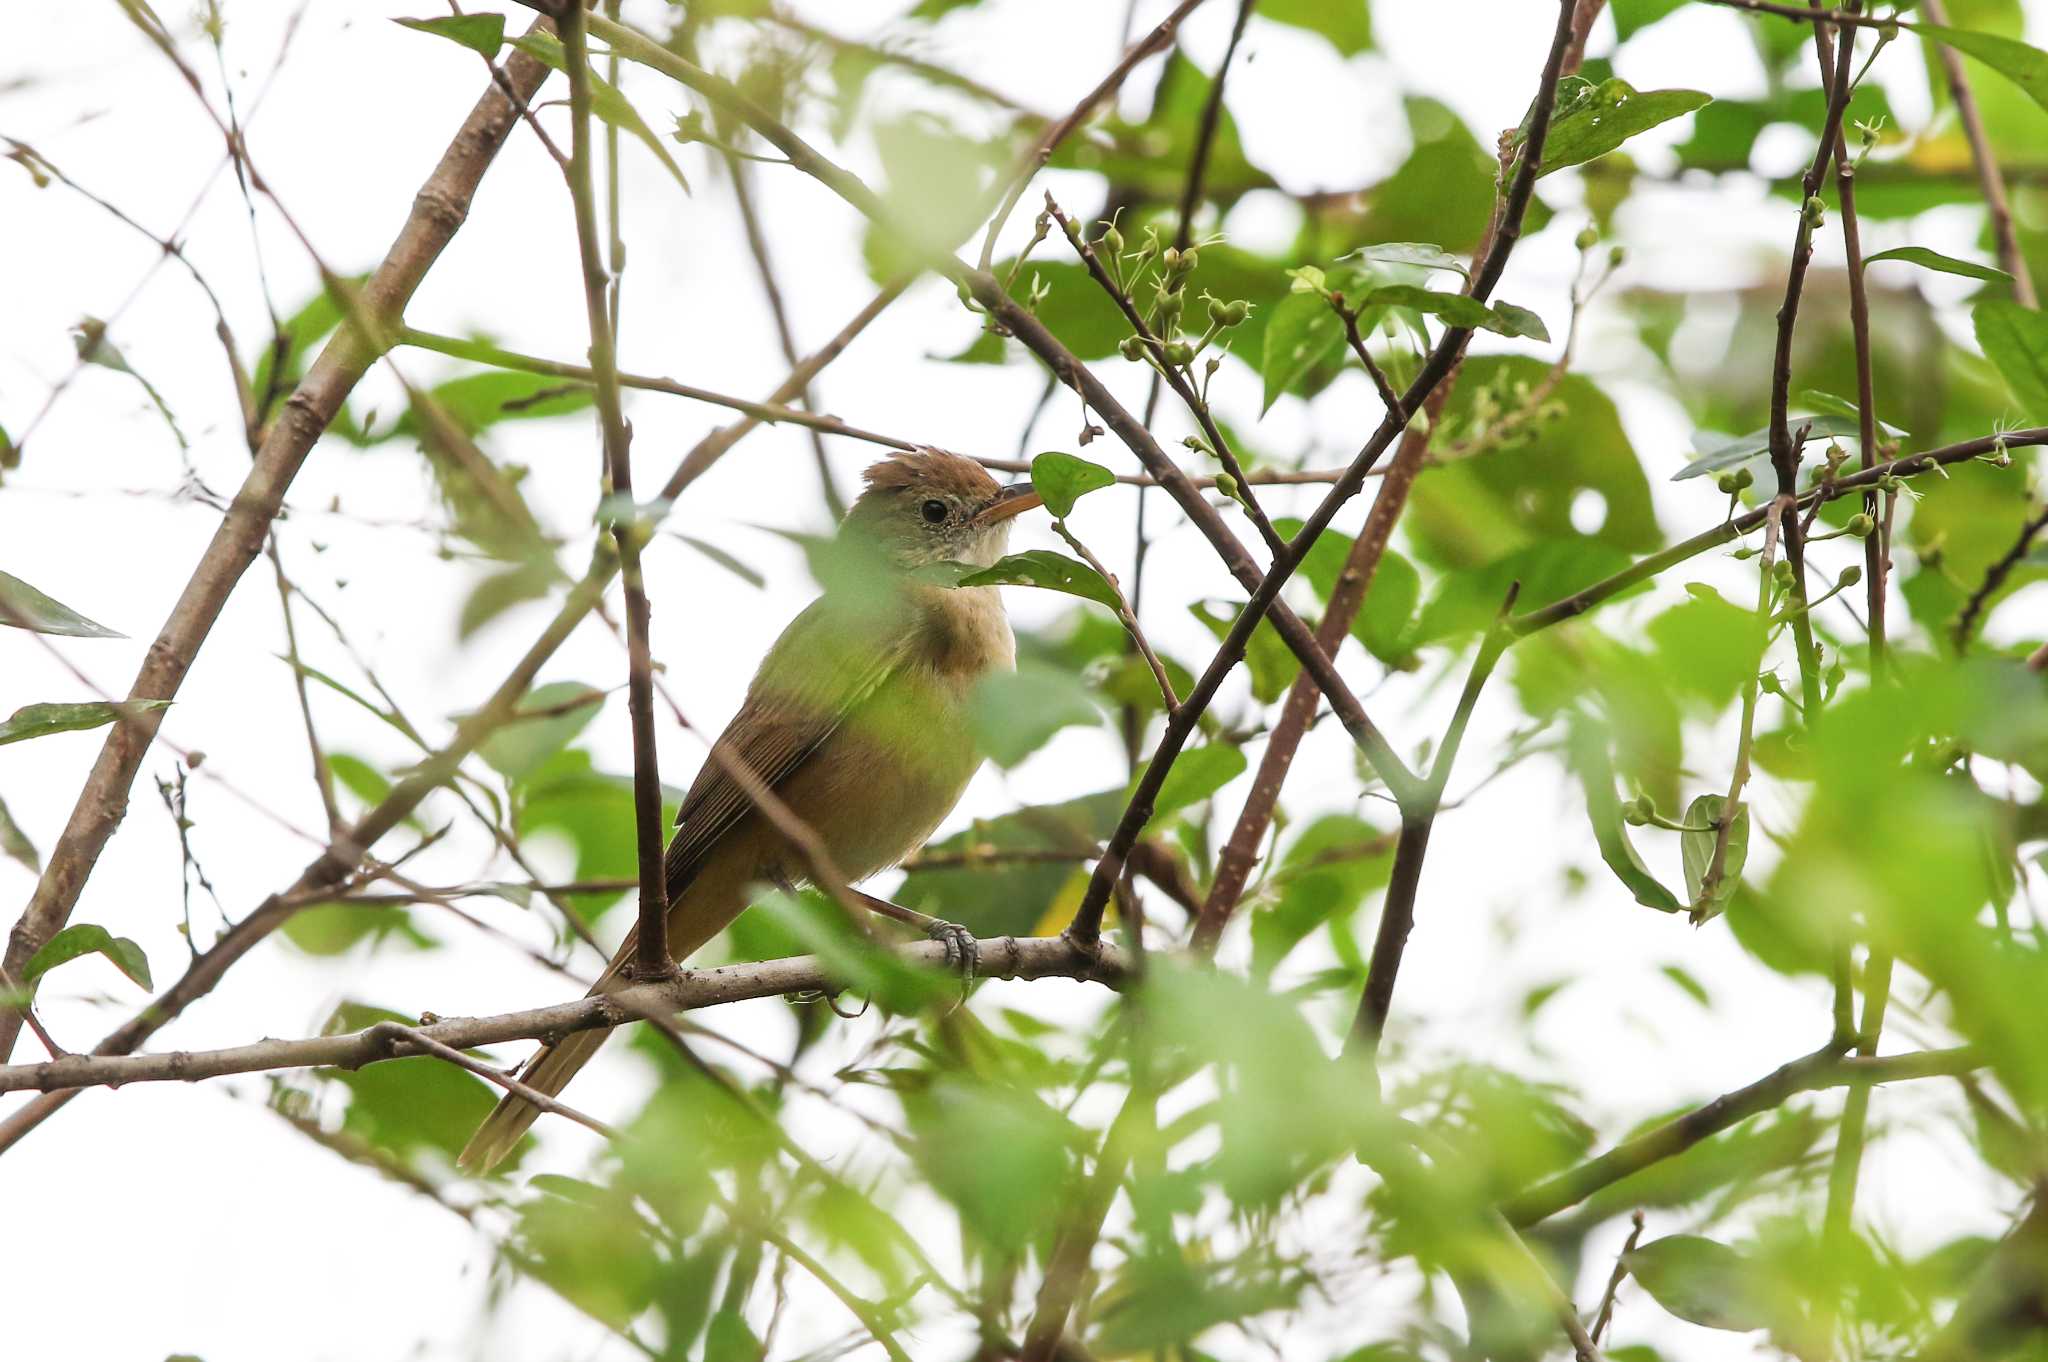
(173, 1219)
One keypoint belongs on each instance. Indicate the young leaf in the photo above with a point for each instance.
(605, 101)
(1062, 480)
(1720, 452)
(1198, 773)
(1049, 570)
(1013, 714)
(483, 33)
(35, 721)
(1346, 23)
(1423, 253)
(1935, 260)
(1831, 405)
(1601, 117)
(1596, 774)
(2016, 340)
(24, 607)
(1459, 310)
(2024, 66)
(1697, 849)
(563, 709)
(84, 938)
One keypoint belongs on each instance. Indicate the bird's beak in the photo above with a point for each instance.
(1008, 502)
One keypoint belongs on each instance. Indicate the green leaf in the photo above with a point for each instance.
(1346, 23)
(519, 748)
(1013, 714)
(84, 938)
(933, 186)
(2024, 66)
(1152, 157)
(1504, 319)
(1935, 260)
(1198, 773)
(24, 607)
(1718, 453)
(1592, 120)
(1049, 570)
(35, 721)
(483, 33)
(1443, 192)
(1702, 1281)
(406, 1106)
(1425, 254)
(1697, 849)
(2015, 339)
(15, 842)
(1273, 664)
(1303, 334)
(1063, 479)
(725, 560)
(1831, 405)
(605, 100)
(1596, 775)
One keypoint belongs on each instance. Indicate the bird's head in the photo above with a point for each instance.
(929, 506)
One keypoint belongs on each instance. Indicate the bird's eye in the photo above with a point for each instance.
(934, 511)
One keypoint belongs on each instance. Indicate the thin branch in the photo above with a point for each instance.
(1745, 738)
(1824, 1068)
(1126, 616)
(1605, 1313)
(1019, 176)
(2010, 258)
(1994, 577)
(437, 212)
(687, 990)
(652, 959)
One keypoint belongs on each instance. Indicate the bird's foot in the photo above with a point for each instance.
(963, 952)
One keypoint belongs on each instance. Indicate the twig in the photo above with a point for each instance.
(1126, 616)
(436, 214)
(652, 959)
(1717, 864)
(322, 775)
(1035, 156)
(1824, 1068)
(1994, 577)
(687, 990)
(1614, 1280)
(2010, 258)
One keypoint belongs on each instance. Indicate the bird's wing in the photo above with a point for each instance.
(829, 660)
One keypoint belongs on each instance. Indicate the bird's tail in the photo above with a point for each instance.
(548, 1072)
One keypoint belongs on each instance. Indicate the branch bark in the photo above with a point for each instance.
(437, 213)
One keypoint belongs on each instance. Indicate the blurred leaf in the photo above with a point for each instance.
(1459, 310)
(1697, 849)
(1062, 480)
(2024, 66)
(1273, 664)
(1198, 773)
(933, 185)
(1385, 622)
(564, 709)
(1592, 119)
(2016, 340)
(1007, 898)
(84, 938)
(605, 101)
(1152, 158)
(477, 402)
(1630, 18)
(1346, 23)
(483, 33)
(1686, 982)
(15, 842)
(1718, 453)
(1162, 1299)
(1596, 775)
(593, 811)
(1049, 570)
(282, 363)
(1935, 260)
(35, 721)
(1326, 872)
(1702, 1281)
(725, 560)
(1013, 714)
(1303, 334)
(492, 596)
(997, 1152)
(1709, 647)
(1443, 192)
(24, 607)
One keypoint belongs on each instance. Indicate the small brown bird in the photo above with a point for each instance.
(857, 719)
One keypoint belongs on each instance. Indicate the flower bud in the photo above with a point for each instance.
(1851, 575)
(1188, 260)
(1180, 353)
(1113, 240)
(1171, 260)
(1615, 256)
(1727, 483)
(1587, 239)
(1231, 313)
(1131, 348)
(1782, 570)
(1860, 524)
(1816, 211)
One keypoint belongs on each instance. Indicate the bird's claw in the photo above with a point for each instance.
(963, 952)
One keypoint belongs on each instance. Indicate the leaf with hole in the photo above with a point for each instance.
(1063, 479)
(36, 721)
(1048, 570)
(24, 607)
(85, 938)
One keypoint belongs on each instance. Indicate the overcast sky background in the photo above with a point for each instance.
(173, 1219)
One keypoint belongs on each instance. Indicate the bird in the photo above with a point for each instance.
(856, 720)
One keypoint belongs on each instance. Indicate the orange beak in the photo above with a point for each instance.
(1008, 502)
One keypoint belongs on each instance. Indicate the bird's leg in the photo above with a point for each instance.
(963, 952)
